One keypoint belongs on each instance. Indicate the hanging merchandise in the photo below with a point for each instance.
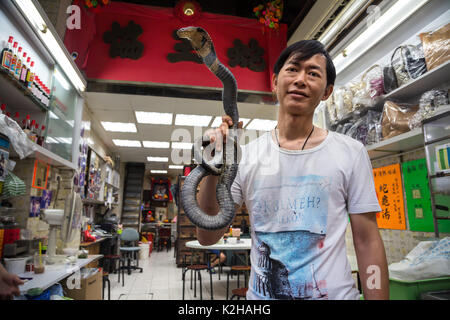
(436, 46)
(395, 75)
(270, 13)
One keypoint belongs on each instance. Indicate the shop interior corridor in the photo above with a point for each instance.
(161, 280)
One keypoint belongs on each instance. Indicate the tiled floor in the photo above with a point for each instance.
(161, 280)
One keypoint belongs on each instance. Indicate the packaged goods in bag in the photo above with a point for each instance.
(436, 46)
(429, 103)
(395, 119)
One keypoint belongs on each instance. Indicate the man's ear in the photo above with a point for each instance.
(274, 81)
(328, 92)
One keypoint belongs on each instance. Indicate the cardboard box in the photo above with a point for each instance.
(91, 288)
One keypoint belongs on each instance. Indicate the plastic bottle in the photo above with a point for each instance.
(30, 77)
(13, 65)
(3, 108)
(23, 70)
(19, 64)
(2, 237)
(7, 54)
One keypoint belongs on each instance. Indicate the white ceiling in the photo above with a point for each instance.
(121, 108)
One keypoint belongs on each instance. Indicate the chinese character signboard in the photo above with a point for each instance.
(388, 185)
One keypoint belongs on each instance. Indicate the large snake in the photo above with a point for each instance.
(202, 44)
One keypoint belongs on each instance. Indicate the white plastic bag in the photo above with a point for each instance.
(17, 137)
(429, 259)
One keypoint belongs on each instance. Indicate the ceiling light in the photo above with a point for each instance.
(182, 145)
(158, 171)
(156, 144)
(51, 40)
(262, 124)
(119, 126)
(127, 143)
(341, 21)
(381, 27)
(157, 159)
(192, 120)
(172, 166)
(218, 120)
(153, 117)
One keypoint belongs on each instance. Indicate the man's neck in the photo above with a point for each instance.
(292, 128)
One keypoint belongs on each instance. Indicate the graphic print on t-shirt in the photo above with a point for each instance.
(290, 221)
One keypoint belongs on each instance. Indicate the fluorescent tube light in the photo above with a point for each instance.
(158, 171)
(172, 166)
(218, 120)
(127, 143)
(156, 144)
(153, 117)
(119, 126)
(341, 21)
(157, 159)
(192, 120)
(182, 145)
(262, 124)
(381, 27)
(56, 48)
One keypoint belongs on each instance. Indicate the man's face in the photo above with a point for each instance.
(301, 85)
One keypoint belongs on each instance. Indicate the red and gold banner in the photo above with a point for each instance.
(158, 25)
(388, 185)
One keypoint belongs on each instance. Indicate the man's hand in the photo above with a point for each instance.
(221, 133)
(9, 284)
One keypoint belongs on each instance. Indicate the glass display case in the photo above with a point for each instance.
(436, 132)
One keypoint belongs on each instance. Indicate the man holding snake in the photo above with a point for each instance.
(301, 185)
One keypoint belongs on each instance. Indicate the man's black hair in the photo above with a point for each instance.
(303, 50)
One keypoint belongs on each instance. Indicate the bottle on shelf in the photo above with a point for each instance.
(8, 114)
(27, 127)
(3, 108)
(40, 140)
(30, 77)
(12, 68)
(32, 134)
(7, 54)
(23, 70)
(19, 64)
(16, 118)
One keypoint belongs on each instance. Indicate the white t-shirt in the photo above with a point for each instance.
(298, 203)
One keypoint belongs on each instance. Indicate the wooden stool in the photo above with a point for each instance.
(238, 270)
(239, 293)
(196, 268)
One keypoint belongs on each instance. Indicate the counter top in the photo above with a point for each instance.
(54, 273)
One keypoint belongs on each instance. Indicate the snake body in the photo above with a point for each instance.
(202, 44)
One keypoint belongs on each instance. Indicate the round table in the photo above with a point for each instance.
(243, 244)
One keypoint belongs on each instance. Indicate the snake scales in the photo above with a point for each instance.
(203, 46)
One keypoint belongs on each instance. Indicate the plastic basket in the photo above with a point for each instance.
(411, 290)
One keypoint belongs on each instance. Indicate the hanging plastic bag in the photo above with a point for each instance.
(343, 101)
(19, 140)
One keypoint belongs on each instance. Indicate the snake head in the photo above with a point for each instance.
(199, 39)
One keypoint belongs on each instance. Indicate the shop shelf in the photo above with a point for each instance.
(403, 142)
(45, 156)
(411, 290)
